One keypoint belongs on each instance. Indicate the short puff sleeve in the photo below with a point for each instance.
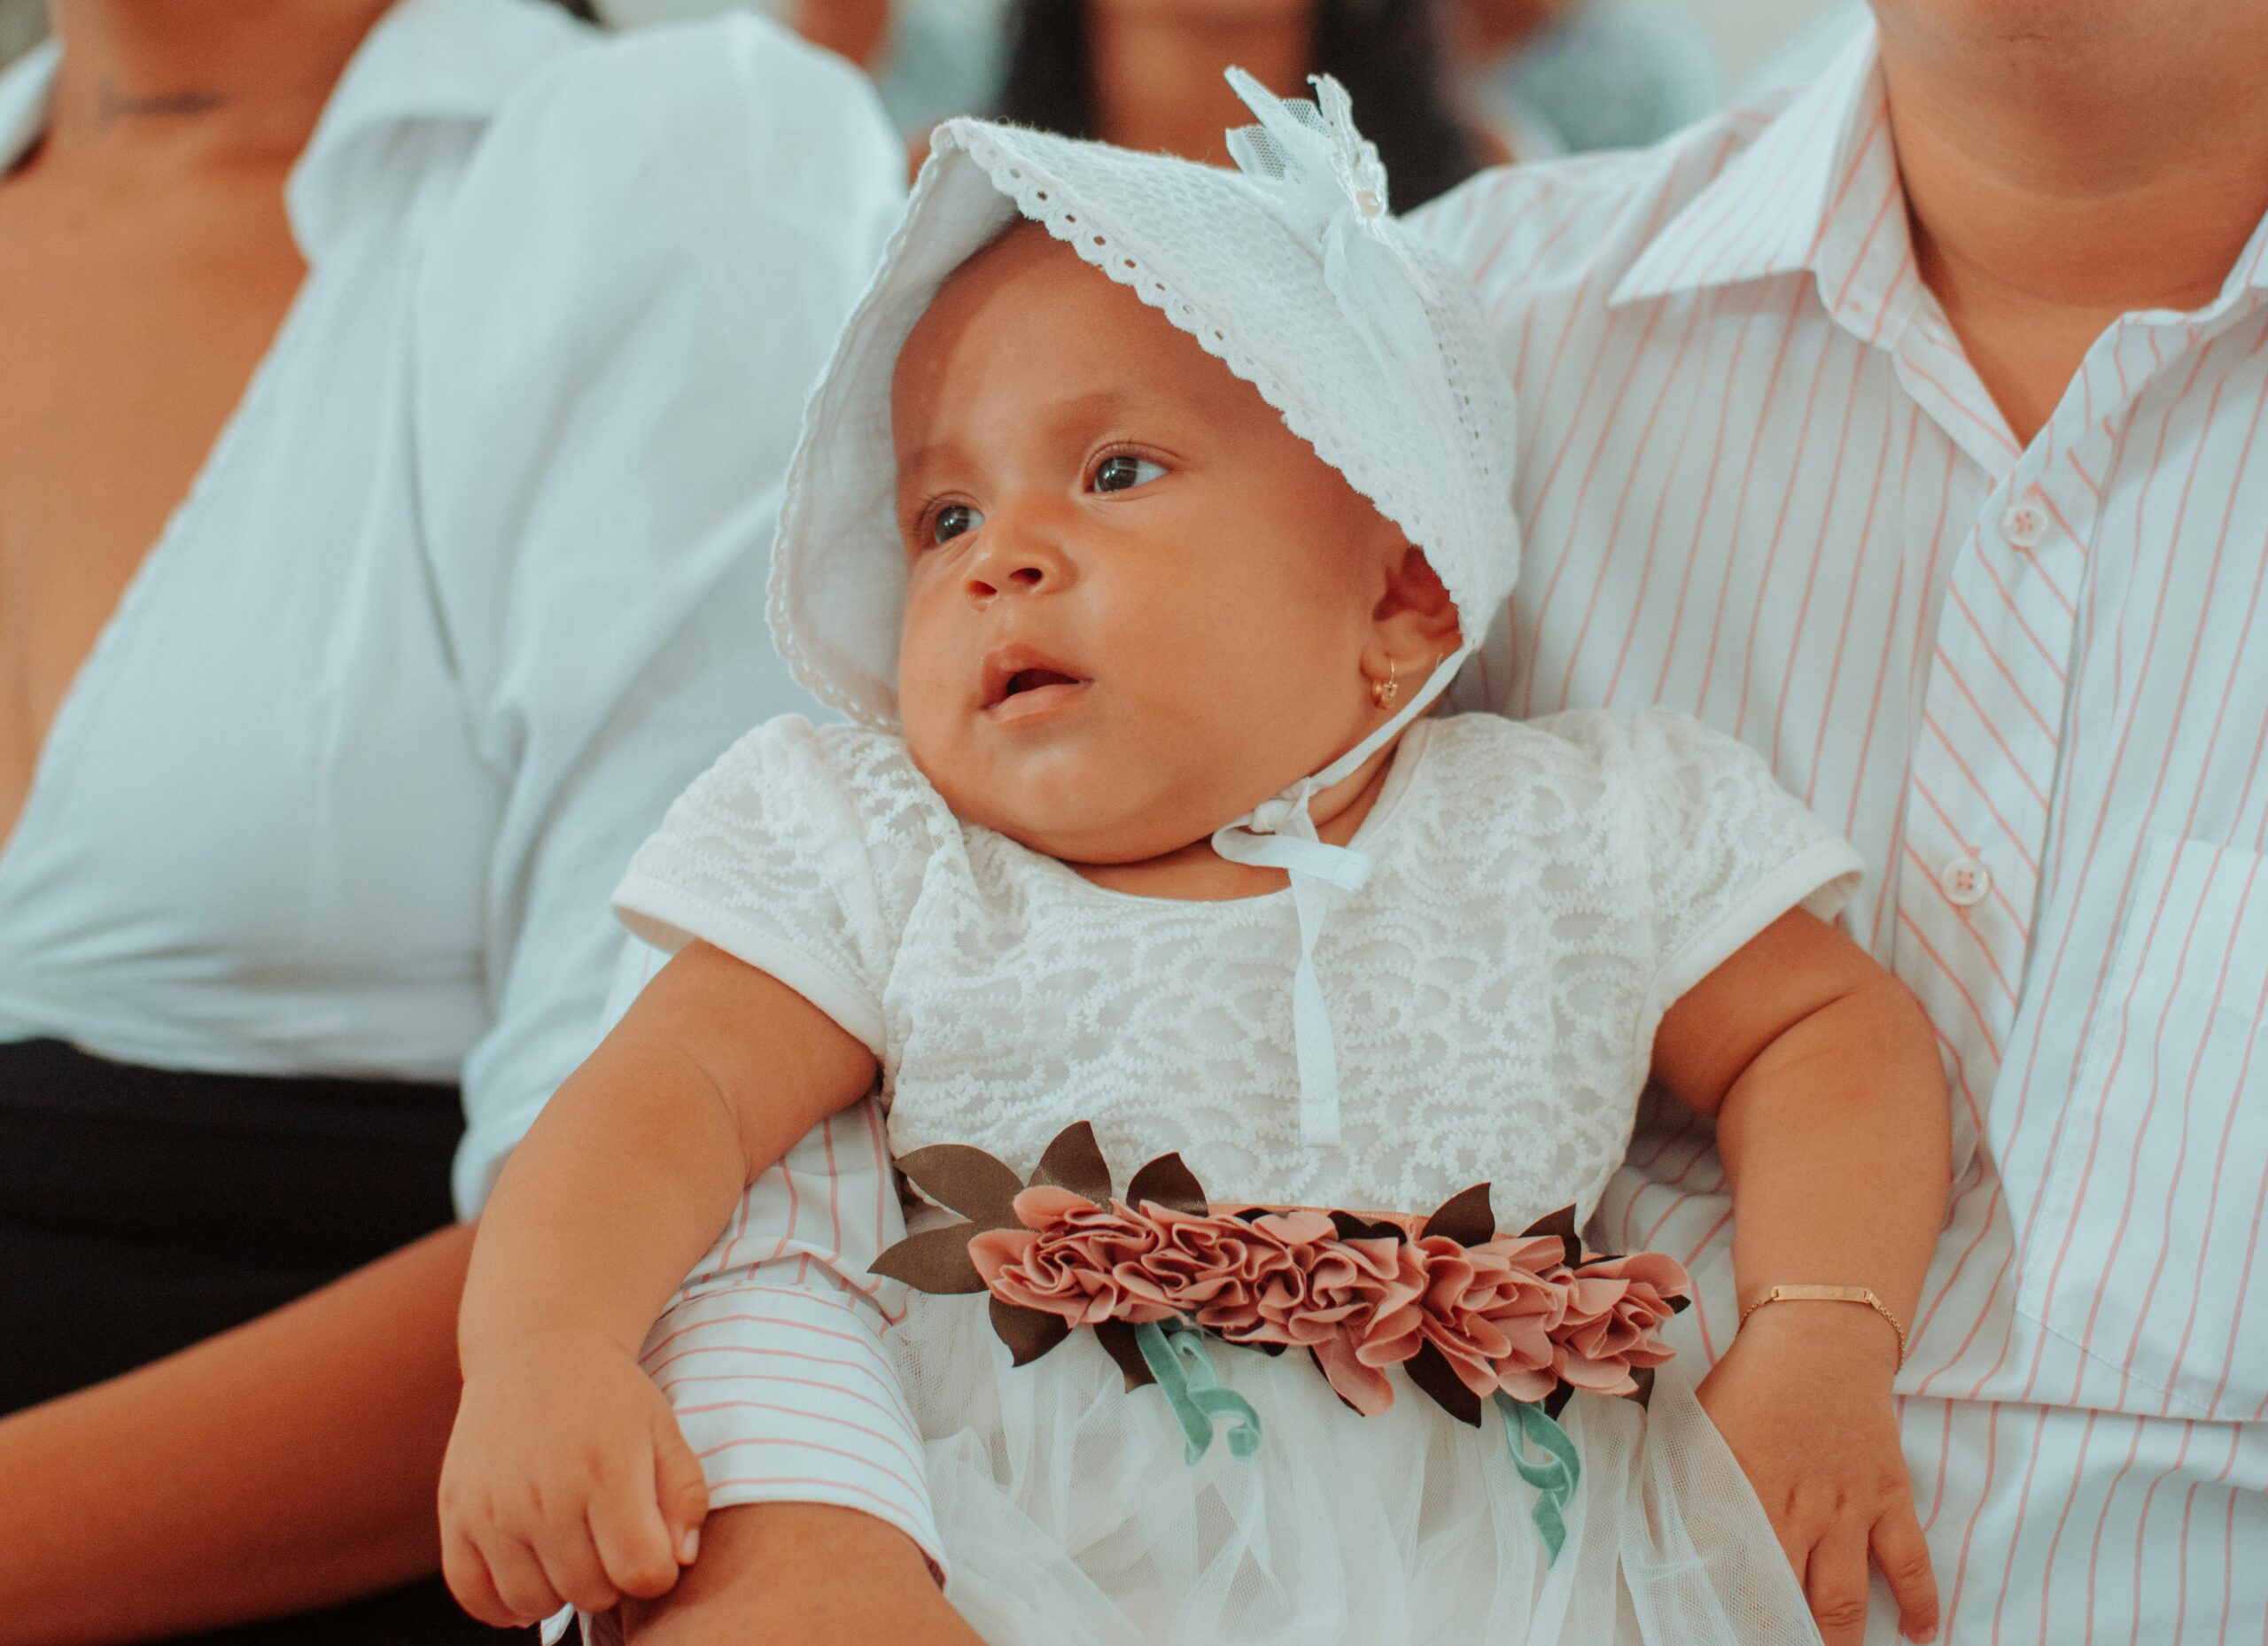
(1725, 850)
(801, 853)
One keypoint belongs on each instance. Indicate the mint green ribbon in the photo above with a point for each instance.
(1555, 1477)
(1175, 1354)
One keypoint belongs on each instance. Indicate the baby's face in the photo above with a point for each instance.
(1138, 605)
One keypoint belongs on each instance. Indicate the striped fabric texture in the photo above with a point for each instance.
(1761, 484)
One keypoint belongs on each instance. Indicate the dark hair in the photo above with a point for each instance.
(1384, 51)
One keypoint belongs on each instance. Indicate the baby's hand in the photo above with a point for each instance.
(1803, 1399)
(566, 1482)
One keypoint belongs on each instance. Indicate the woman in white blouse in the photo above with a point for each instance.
(391, 399)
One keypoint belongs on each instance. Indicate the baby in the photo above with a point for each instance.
(1142, 515)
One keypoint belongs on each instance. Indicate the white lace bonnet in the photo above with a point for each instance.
(1289, 269)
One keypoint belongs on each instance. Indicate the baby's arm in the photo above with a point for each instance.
(1833, 1120)
(566, 1479)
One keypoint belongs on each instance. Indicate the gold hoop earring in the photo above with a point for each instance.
(1384, 692)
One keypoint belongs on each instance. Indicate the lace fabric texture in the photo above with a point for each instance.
(1542, 893)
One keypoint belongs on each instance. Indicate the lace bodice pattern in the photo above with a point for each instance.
(1541, 893)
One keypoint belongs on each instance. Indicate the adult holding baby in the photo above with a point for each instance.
(1908, 428)
(394, 400)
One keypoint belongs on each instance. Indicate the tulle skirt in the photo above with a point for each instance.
(1069, 1514)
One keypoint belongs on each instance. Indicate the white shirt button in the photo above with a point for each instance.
(1965, 881)
(2024, 524)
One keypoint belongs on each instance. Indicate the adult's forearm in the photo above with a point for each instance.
(286, 1465)
(800, 1571)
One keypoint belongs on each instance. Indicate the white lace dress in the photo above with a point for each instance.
(1541, 893)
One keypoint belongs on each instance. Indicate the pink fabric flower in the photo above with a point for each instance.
(1615, 1309)
(1068, 1258)
(1491, 1309)
(1212, 1268)
(1507, 1314)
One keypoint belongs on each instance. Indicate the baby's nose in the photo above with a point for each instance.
(1022, 573)
(1023, 563)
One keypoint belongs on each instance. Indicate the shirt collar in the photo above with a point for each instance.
(1817, 190)
(425, 61)
(24, 88)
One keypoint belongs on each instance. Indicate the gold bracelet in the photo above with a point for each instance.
(1831, 1294)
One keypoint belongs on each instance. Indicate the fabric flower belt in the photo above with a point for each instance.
(1469, 1315)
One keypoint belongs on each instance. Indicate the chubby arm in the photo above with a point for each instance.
(1833, 1120)
(566, 1479)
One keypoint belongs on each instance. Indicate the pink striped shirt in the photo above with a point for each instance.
(1762, 484)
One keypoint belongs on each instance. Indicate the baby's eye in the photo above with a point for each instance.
(1123, 473)
(953, 521)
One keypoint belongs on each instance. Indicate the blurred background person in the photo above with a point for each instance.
(1147, 74)
(1568, 76)
(393, 398)
(1533, 78)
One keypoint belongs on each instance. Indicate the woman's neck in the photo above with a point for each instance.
(198, 81)
(1156, 68)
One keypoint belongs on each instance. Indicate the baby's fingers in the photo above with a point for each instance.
(1835, 1582)
(527, 1594)
(576, 1573)
(646, 1533)
(681, 1487)
(1903, 1554)
(468, 1578)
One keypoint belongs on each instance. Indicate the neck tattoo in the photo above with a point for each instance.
(116, 105)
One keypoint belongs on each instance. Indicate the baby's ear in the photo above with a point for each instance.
(1415, 613)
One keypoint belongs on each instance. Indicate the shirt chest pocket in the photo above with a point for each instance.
(2149, 1248)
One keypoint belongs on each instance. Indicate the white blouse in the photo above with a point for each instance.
(470, 584)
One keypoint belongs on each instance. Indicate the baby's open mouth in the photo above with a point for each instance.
(1018, 680)
(1032, 679)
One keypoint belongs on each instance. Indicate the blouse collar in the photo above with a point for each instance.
(24, 87)
(425, 62)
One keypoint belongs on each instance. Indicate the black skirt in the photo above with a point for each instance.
(143, 1210)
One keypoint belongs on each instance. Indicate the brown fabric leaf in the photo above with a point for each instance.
(1432, 1372)
(1168, 1181)
(936, 1260)
(1465, 1217)
(1028, 1332)
(1555, 1402)
(1075, 1161)
(966, 1180)
(1561, 1223)
(1117, 1339)
(1644, 1377)
(1353, 1228)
